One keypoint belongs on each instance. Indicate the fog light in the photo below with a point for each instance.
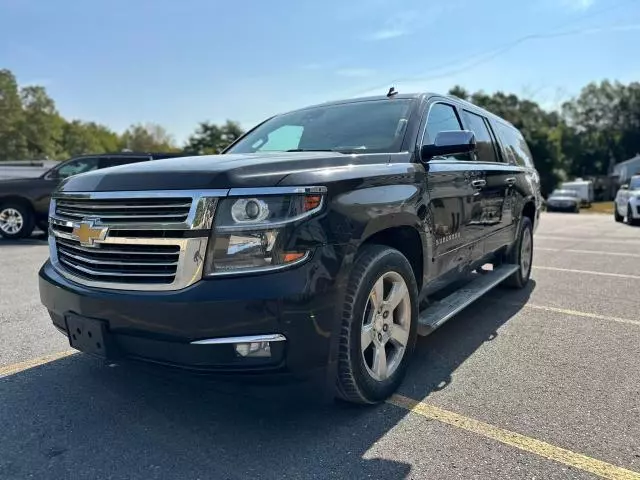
(253, 349)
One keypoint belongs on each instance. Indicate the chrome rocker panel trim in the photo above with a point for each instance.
(273, 337)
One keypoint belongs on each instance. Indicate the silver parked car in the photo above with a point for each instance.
(563, 201)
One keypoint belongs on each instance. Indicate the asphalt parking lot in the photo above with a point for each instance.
(540, 383)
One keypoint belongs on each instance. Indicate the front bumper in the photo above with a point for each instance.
(159, 327)
(562, 208)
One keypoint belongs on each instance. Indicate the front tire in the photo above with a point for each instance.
(630, 219)
(521, 254)
(16, 220)
(616, 216)
(379, 326)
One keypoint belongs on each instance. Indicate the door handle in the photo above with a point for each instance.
(478, 183)
(511, 181)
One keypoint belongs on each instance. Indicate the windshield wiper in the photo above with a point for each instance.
(310, 150)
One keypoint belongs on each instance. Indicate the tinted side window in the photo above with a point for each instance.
(441, 118)
(485, 148)
(515, 146)
(75, 167)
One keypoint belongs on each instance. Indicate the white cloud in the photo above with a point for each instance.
(355, 72)
(579, 5)
(398, 25)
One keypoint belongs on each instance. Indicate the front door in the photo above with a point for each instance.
(452, 186)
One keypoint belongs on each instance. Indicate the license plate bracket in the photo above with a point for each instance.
(88, 335)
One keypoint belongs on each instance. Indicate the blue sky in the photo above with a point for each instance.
(179, 62)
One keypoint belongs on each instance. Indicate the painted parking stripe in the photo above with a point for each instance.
(517, 440)
(589, 272)
(19, 367)
(566, 311)
(630, 241)
(589, 252)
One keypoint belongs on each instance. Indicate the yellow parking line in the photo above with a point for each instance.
(522, 442)
(589, 272)
(589, 252)
(19, 367)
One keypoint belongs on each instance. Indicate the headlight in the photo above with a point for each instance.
(250, 232)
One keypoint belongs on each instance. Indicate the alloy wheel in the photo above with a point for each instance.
(11, 221)
(385, 326)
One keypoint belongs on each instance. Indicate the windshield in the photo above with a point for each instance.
(564, 193)
(634, 184)
(370, 126)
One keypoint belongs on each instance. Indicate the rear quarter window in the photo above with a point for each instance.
(515, 146)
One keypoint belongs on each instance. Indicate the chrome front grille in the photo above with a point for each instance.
(113, 263)
(109, 210)
(131, 240)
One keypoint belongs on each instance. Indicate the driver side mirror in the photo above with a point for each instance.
(624, 186)
(449, 142)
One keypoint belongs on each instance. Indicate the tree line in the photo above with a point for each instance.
(585, 137)
(31, 128)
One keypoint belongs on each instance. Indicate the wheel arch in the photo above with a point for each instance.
(13, 198)
(407, 239)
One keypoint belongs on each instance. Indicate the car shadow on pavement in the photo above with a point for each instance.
(78, 418)
(439, 355)
(37, 238)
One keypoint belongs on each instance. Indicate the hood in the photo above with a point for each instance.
(213, 171)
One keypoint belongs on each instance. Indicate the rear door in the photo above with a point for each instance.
(494, 217)
(521, 177)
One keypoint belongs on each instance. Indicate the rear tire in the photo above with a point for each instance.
(521, 254)
(380, 276)
(16, 220)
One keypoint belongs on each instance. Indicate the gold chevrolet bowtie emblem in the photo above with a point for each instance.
(87, 233)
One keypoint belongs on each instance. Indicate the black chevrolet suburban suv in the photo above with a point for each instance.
(24, 202)
(316, 246)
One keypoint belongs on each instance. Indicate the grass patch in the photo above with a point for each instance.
(599, 207)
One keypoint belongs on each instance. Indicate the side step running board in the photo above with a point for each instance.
(439, 312)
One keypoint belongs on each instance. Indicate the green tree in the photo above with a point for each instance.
(212, 139)
(13, 145)
(41, 124)
(79, 138)
(148, 138)
(606, 119)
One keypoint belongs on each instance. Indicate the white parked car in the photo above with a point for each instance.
(627, 203)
